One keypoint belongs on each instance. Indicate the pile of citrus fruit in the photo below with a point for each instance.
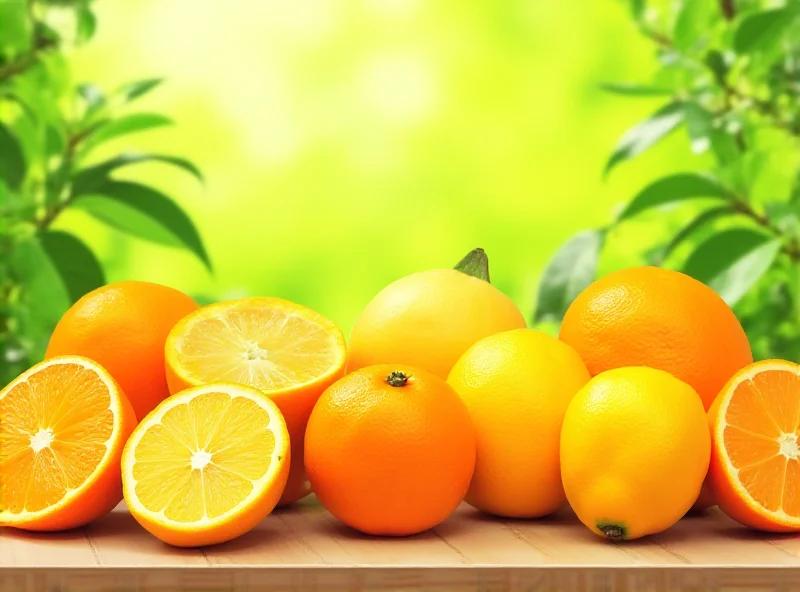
(645, 407)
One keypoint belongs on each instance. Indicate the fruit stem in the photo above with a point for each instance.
(397, 379)
(614, 532)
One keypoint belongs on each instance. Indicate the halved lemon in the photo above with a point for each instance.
(287, 351)
(206, 465)
(63, 425)
(755, 459)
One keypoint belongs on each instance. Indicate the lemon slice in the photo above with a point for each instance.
(287, 351)
(206, 465)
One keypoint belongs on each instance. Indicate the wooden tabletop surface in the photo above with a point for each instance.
(306, 548)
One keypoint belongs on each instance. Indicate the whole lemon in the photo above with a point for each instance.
(648, 316)
(428, 319)
(635, 448)
(123, 327)
(517, 385)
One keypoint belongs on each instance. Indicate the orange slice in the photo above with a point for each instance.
(285, 350)
(63, 425)
(755, 465)
(206, 465)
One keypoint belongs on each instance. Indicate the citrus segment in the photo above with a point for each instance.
(755, 467)
(285, 350)
(63, 424)
(207, 464)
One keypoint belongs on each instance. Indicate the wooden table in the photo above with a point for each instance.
(306, 548)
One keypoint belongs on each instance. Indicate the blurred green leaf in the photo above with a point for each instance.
(763, 31)
(724, 146)
(693, 23)
(55, 140)
(646, 133)
(675, 188)
(10, 94)
(143, 212)
(719, 67)
(634, 90)
(15, 32)
(476, 264)
(702, 219)
(93, 96)
(86, 24)
(785, 217)
(699, 126)
(128, 124)
(89, 179)
(732, 261)
(79, 269)
(12, 159)
(572, 268)
(637, 9)
(134, 90)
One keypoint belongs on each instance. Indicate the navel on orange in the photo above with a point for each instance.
(755, 459)
(63, 425)
(206, 465)
(285, 350)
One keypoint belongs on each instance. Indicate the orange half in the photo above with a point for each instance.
(755, 464)
(63, 425)
(287, 351)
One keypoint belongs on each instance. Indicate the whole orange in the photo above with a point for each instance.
(390, 450)
(428, 320)
(648, 316)
(123, 327)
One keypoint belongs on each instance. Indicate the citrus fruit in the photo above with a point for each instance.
(648, 316)
(390, 450)
(63, 425)
(635, 448)
(428, 320)
(123, 327)
(207, 465)
(285, 350)
(755, 457)
(517, 385)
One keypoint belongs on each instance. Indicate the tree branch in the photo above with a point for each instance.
(26, 60)
(728, 9)
(790, 249)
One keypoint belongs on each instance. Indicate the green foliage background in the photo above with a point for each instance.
(346, 144)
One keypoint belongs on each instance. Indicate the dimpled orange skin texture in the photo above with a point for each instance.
(648, 316)
(123, 327)
(390, 460)
(517, 386)
(428, 319)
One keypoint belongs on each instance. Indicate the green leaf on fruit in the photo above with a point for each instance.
(476, 264)
(572, 269)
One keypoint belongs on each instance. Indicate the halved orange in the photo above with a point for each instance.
(206, 465)
(755, 461)
(63, 425)
(285, 350)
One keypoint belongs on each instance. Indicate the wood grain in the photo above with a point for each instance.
(306, 548)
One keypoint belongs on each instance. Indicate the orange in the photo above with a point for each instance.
(390, 450)
(63, 424)
(516, 386)
(285, 350)
(755, 458)
(648, 316)
(428, 320)
(635, 449)
(207, 465)
(123, 327)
